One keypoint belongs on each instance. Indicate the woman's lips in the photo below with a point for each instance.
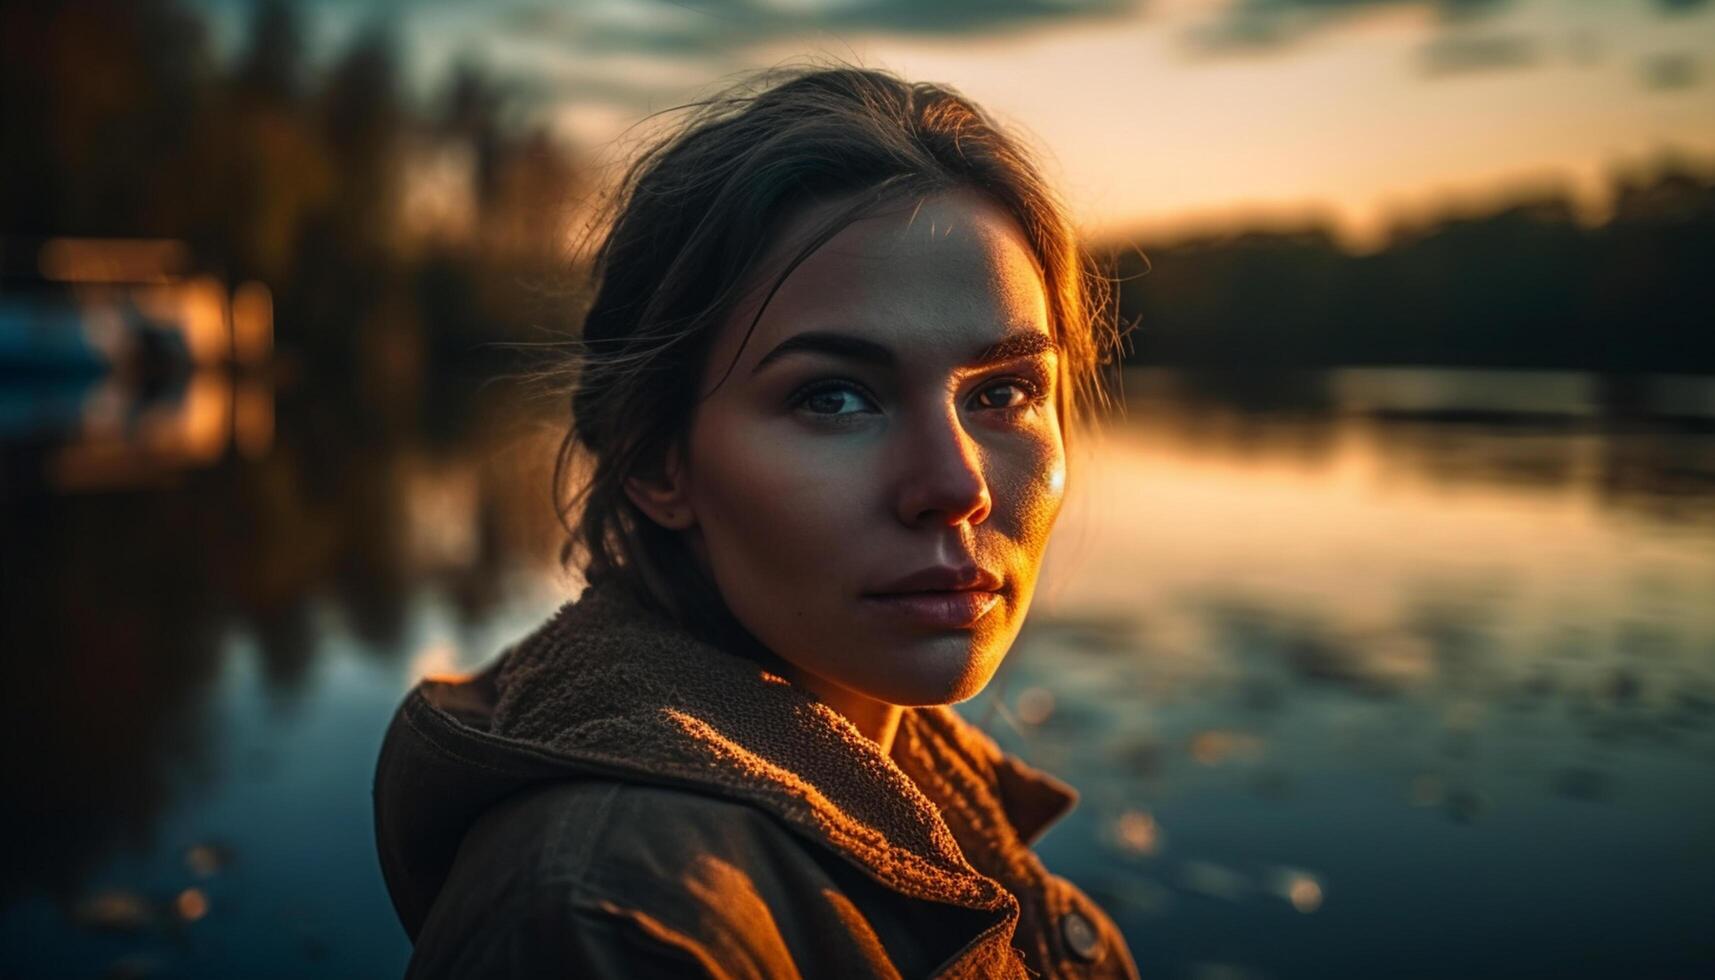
(940, 610)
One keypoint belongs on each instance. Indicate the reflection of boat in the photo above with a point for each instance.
(39, 337)
(57, 353)
(125, 369)
(60, 335)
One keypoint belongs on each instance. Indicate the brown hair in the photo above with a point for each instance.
(689, 224)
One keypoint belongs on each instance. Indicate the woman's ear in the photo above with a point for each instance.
(662, 496)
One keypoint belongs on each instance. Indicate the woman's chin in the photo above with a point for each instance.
(942, 670)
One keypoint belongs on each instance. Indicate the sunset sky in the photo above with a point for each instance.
(1157, 116)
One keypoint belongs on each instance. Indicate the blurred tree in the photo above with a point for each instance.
(362, 120)
(275, 172)
(470, 113)
(271, 68)
(98, 99)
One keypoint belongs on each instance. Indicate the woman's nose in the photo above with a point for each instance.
(942, 479)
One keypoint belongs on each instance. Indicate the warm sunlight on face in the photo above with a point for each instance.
(893, 414)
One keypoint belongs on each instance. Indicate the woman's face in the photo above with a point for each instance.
(892, 414)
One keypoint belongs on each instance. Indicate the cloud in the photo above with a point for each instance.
(1254, 25)
(1670, 71)
(967, 17)
(1461, 54)
(1249, 26)
(721, 26)
(607, 51)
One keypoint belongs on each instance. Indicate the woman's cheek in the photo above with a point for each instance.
(1036, 489)
(788, 496)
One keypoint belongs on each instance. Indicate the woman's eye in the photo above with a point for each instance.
(1014, 395)
(1006, 395)
(843, 400)
(834, 400)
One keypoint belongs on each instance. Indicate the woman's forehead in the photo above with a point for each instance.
(935, 278)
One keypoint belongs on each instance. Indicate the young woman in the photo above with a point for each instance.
(841, 332)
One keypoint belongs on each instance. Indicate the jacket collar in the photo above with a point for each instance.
(608, 687)
(610, 683)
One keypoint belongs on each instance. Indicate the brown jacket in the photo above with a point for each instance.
(612, 797)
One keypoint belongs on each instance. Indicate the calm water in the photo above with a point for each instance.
(1363, 673)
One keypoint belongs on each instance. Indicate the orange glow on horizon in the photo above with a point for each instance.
(112, 260)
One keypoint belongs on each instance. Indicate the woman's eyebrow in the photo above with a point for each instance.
(1024, 344)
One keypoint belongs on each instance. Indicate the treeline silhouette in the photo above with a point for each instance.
(1523, 286)
(403, 236)
(395, 232)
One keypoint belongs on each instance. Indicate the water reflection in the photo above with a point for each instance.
(1328, 656)
(1292, 625)
(1638, 443)
(170, 517)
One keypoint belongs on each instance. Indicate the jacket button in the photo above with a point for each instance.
(1081, 937)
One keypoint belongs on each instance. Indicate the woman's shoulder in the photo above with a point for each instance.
(594, 835)
(568, 869)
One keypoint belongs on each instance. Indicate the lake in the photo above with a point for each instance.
(1364, 672)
